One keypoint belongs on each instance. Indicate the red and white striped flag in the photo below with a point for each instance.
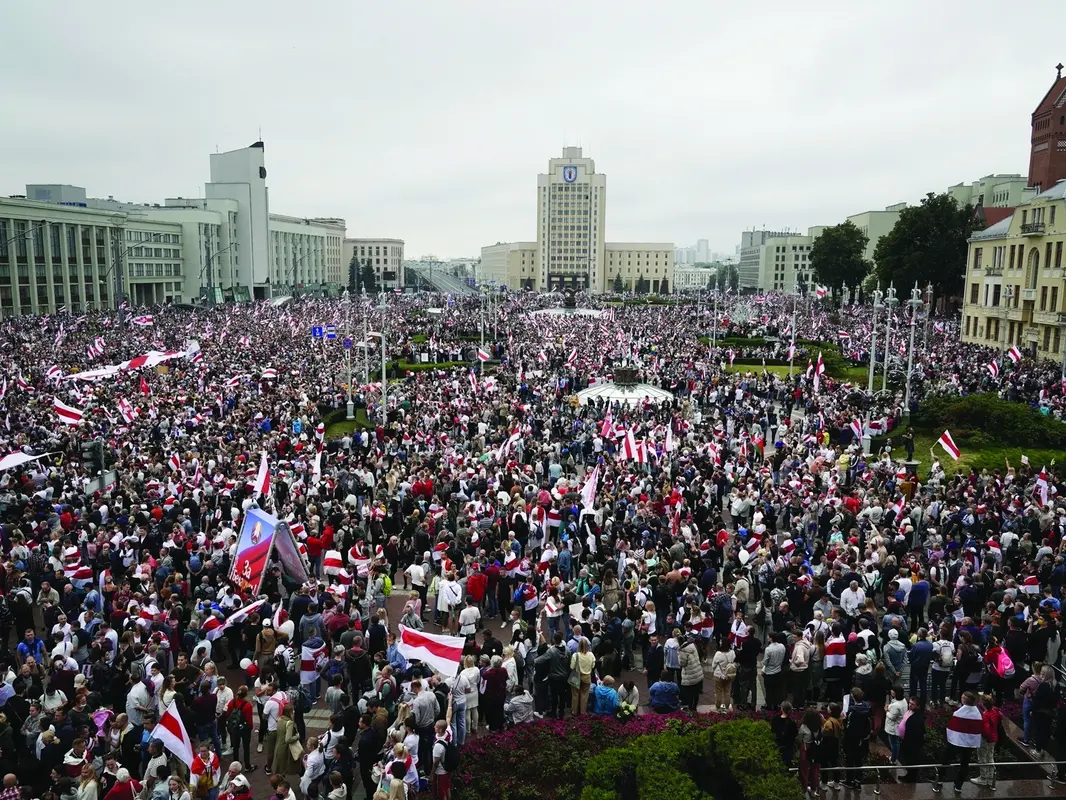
(270, 374)
(948, 444)
(443, 653)
(68, 415)
(820, 292)
(170, 730)
(473, 381)
(993, 369)
(262, 478)
(572, 358)
(856, 428)
(240, 615)
(309, 658)
(1015, 354)
(836, 652)
(143, 321)
(1042, 485)
(175, 462)
(482, 355)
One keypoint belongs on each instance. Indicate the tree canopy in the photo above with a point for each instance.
(927, 245)
(837, 256)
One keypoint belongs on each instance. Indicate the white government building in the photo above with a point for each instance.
(226, 243)
(571, 251)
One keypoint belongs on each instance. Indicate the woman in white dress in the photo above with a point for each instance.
(472, 675)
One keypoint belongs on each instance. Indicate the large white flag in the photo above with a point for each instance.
(171, 732)
(443, 653)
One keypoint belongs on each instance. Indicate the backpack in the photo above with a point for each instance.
(281, 666)
(814, 747)
(137, 671)
(946, 655)
(236, 724)
(450, 762)
(519, 597)
(388, 586)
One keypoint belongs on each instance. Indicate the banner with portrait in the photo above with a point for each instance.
(253, 550)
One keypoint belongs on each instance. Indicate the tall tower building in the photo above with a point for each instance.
(1047, 159)
(241, 175)
(571, 208)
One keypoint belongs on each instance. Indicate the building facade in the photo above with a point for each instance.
(690, 278)
(511, 264)
(384, 255)
(749, 264)
(639, 266)
(571, 210)
(305, 255)
(875, 224)
(993, 191)
(1047, 154)
(226, 244)
(1015, 291)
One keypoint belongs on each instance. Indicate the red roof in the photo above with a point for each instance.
(994, 215)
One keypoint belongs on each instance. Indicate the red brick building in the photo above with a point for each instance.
(1047, 159)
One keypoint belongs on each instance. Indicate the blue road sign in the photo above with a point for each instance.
(316, 331)
(347, 342)
(331, 331)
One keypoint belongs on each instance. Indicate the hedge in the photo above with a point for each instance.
(736, 759)
(985, 419)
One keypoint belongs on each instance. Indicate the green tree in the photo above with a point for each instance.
(353, 275)
(837, 256)
(664, 287)
(618, 283)
(927, 245)
(369, 279)
(641, 288)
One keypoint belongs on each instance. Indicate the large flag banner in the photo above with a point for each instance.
(171, 732)
(588, 491)
(443, 653)
(289, 554)
(253, 549)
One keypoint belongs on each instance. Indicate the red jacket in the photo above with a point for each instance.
(476, 585)
(991, 718)
(242, 706)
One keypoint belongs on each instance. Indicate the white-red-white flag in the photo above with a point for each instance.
(262, 478)
(588, 491)
(240, 615)
(143, 321)
(483, 355)
(170, 730)
(993, 369)
(68, 415)
(1015, 354)
(443, 653)
(948, 444)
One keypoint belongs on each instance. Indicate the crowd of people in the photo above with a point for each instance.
(730, 549)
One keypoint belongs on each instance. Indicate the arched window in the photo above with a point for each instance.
(1032, 268)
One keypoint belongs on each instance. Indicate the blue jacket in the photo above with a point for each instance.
(605, 700)
(921, 656)
(664, 694)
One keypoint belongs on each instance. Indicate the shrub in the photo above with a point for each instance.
(1013, 424)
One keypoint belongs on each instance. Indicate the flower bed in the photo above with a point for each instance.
(550, 759)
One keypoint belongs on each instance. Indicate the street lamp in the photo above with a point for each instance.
(914, 303)
(792, 344)
(211, 272)
(120, 283)
(878, 305)
(890, 304)
(1008, 296)
(928, 315)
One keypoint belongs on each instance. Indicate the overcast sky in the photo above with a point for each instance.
(429, 121)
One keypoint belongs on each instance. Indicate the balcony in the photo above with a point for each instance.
(991, 272)
(1028, 295)
(1033, 229)
(1047, 318)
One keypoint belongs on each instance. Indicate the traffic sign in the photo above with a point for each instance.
(331, 331)
(347, 342)
(316, 331)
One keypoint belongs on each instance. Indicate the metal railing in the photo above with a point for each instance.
(937, 782)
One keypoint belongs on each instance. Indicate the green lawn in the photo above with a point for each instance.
(773, 369)
(991, 457)
(342, 426)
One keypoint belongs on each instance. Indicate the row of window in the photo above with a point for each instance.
(1051, 335)
(1014, 256)
(148, 236)
(154, 270)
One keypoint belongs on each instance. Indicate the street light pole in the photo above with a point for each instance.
(348, 347)
(890, 303)
(877, 306)
(915, 303)
(384, 377)
(1008, 296)
(792, 344)
(928, 315)
(366, 338)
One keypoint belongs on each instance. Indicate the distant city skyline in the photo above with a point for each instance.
(432, 126)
